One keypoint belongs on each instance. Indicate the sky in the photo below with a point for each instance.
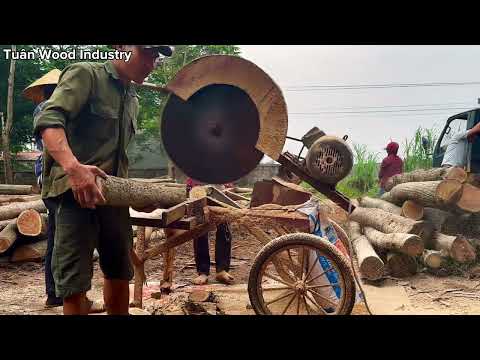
(399, 110)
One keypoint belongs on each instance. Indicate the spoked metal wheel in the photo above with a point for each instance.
(301, 274)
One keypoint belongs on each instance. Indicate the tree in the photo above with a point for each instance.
(7, 127)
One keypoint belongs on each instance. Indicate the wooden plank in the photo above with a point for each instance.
(185, 223)
(173, 214)
(235, 196)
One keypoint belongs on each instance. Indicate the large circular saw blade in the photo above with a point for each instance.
(211, 137)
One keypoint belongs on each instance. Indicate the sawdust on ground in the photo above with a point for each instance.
(22, 286)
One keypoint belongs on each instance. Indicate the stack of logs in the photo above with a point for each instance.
(23, 224)
(424, 217)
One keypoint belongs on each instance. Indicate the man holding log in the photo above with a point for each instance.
(86, 127)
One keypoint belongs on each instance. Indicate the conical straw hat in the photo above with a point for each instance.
(34, 92)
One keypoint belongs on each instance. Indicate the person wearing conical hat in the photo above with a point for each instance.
(86, 127)
(39, 92)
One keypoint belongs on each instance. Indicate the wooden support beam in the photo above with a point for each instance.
(139, 268)
(178, 238)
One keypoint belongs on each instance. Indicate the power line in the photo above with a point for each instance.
(376, 86)
(350, 116)
(372, 111)
(393, 106)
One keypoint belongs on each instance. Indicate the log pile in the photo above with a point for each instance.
(424, 218)
(23, 224)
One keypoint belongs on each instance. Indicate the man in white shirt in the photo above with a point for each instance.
(456, 152)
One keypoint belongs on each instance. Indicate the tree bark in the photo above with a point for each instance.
(4, 223)
(412, 210)
(369, 202)
(432, 259)
(8, 236)
(408, 244)
(7, 127)
(435, 194)
(126, 192)
(18, 198)
(31, 223)
(370, 264)
(30, 252)
(457, 247)
(8, 189)
(401, 265)
(13, 210)
(390, 223)
(415, 176)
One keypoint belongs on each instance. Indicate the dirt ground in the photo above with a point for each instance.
(22, 287)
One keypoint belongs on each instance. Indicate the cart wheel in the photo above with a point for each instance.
(283, 282)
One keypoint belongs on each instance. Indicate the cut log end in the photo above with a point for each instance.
(412, 210)
(30, 223)
(413, 245)
(432, 259)
(470, 199)
(372, 267)
(449, 191)
(401, 265)
(456, 173)
(462, 251)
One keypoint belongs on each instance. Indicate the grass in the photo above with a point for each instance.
(416, 156)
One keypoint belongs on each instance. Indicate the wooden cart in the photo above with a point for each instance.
(285, 275)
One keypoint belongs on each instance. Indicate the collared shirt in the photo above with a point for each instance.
(391, 165)
(456, 152)
(99, 116)
(39, 145)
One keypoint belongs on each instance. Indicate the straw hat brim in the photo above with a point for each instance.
(34, 91)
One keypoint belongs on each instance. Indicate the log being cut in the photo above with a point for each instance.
(126, 192)
(371, 266)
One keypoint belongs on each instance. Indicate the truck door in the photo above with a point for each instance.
(474, 148)
(454, 125)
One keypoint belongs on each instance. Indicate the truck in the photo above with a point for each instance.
(456, 123)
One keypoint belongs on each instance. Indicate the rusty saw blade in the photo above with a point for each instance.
(211, 137)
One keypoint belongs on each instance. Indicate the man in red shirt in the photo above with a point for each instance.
(391, 165)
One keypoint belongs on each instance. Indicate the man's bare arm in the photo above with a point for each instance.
(81, 177)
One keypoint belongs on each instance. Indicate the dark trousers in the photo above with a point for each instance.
(223, 251)
(51, 205)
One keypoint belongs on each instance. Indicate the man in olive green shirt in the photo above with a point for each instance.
(86, 127)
